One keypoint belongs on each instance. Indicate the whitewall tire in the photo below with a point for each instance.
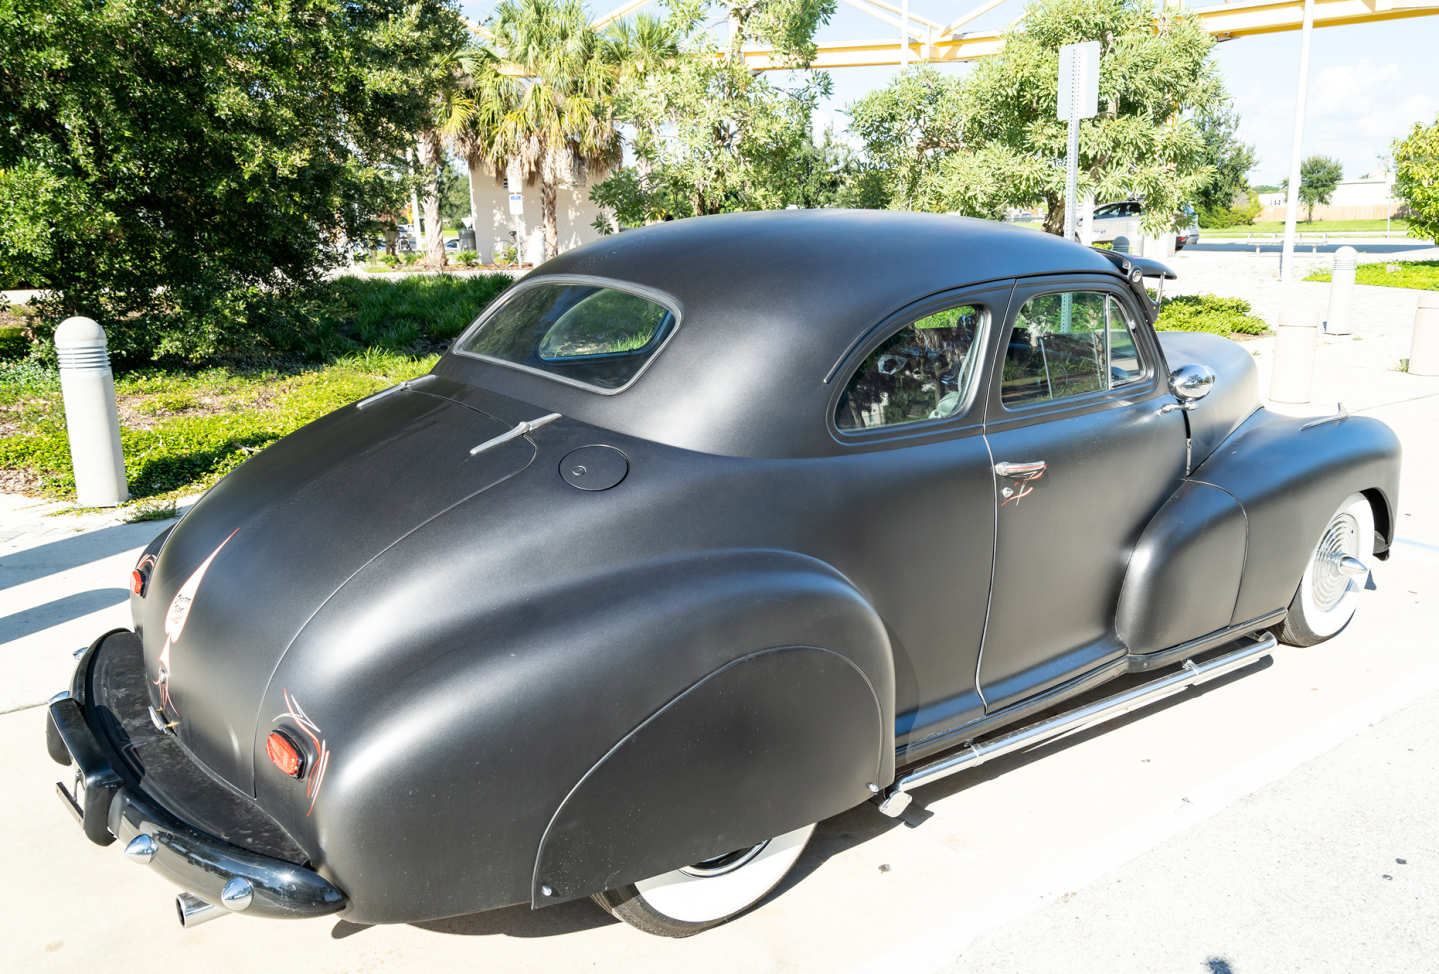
(1329, 591)
(684, 901)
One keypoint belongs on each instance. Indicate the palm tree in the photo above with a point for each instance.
(635, 50)
(475, 118)
(560, 119)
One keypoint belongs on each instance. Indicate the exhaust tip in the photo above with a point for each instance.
(193, 911)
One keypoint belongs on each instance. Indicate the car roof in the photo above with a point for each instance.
(768, 303)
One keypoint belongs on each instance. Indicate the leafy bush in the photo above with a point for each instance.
(1210, 313)
(14, 343)
(1416, 178)
(1237, 214)
(467, 257)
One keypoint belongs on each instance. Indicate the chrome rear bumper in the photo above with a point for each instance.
(109, 807)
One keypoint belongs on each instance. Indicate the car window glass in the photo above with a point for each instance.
(1106, 210)
(924, 371)
(1124, 364)
(1068, 344)
(590, 334)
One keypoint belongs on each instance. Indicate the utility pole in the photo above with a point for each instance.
(1291, 202)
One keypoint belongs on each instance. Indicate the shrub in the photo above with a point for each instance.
(14, 343)
(467, 257)
(1210, 313)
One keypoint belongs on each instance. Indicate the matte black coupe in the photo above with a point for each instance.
(699, 535)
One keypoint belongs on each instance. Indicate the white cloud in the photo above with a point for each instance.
(1355, 109)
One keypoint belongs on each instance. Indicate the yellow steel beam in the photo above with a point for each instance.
(1225, 21)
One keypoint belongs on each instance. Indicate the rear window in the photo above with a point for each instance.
(586, 333)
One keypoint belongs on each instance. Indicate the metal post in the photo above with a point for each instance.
(91, 419)
(1291, 202)
(1341, 290)
(1294, 348)
(1071, 178)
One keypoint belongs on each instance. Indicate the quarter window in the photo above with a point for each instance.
(922, 372)
(1068, 344)
(595, 335)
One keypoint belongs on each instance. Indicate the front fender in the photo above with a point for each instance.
(454, 738)
(1290, 475)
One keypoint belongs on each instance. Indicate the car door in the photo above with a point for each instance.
(1083, 456)
(908, 412)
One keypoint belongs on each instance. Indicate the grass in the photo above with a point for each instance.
(183, 429)
(1318, 226)
(1420, 274)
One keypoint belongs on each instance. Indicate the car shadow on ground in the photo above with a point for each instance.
(511, 921)
(832, 837)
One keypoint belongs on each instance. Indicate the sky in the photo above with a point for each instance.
(1368, 83)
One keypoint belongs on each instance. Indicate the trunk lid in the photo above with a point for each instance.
(245, 570)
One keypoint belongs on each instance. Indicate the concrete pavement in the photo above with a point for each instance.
(1220, 827)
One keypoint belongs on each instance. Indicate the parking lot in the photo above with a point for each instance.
(1256, 825)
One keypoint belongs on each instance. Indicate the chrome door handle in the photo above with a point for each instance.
(1027, 468)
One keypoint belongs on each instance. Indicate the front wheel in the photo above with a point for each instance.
(1335, 575)
(684, 901)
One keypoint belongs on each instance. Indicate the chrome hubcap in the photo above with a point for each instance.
(1334, 561)
(727, 863)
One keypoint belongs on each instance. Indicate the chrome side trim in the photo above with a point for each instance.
(1341, 414)
(518, 430)
(973, 754)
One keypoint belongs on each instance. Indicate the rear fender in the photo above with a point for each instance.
(768, 743)
(457, 735)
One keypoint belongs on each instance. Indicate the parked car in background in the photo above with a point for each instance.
(1113, 220)
(653, 572)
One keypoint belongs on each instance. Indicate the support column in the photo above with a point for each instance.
(1291, 202)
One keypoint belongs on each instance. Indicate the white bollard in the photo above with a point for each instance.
(91, 418)
(1341, 291)
(1293, 378)
(1424, 345)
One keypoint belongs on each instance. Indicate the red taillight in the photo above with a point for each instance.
(137, 581)
(285, 755)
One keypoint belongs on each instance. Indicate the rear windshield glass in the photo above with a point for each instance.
(586, 333)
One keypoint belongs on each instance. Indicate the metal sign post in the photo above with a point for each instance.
(517, 211)
(1078, 98)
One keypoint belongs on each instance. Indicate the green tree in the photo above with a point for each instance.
(712, 136)
(1318, 176)
(1225, 200)
(171, 168)
(1416, 178)
(992, 140)
(560, 120)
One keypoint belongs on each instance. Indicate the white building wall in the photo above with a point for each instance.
(574, 217)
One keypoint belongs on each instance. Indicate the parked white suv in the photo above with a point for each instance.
(1122, 219)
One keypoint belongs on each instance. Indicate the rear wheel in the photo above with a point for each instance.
(1335, 575)
(684, 901)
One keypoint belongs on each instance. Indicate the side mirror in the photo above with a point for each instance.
(1191, 383)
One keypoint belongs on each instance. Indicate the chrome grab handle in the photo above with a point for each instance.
(1027, 468)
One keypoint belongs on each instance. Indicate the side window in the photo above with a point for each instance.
(924, 371)
(1068, 344)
